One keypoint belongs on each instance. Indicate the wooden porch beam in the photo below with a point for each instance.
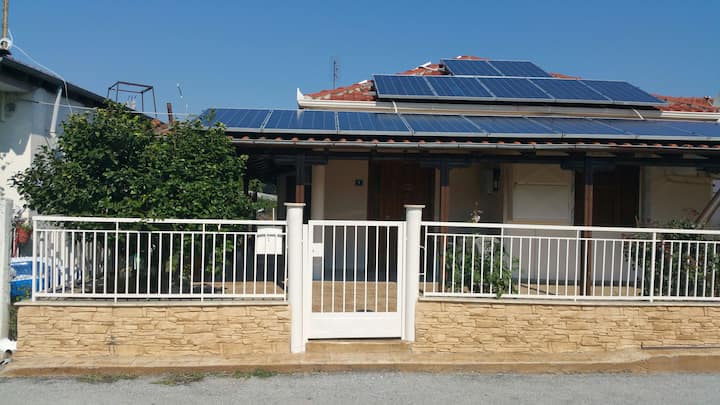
(572, 161)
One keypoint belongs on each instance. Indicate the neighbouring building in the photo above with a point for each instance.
(33, 103)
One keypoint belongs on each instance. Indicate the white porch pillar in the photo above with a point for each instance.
(317, 208)
(413, 217)
(6, 214)
(295, 267)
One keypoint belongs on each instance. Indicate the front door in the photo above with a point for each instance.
(353, 280)
(615, 196)
(395, 183)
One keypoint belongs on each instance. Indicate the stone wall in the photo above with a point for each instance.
(63, 329)
(466, 326)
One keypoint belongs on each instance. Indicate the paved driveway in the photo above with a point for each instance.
(369, 388)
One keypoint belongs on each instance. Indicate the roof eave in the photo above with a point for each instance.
(74, 92)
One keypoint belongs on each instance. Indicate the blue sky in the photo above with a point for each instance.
(255, 54)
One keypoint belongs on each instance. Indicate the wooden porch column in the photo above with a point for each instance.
(300, 179)
(588, 221)
(444, 193)
(444, 213)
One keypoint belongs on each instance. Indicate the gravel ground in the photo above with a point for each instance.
(369, 388)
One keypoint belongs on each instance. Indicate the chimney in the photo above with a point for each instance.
(5, 42)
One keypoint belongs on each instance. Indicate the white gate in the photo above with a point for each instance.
(354, 279)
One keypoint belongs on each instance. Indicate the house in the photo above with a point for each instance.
(33, 103)
(470, 206)
(522, 155)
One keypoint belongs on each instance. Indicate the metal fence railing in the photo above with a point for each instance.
(130, 258)
(561, 262)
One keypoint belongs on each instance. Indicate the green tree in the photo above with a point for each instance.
(112, 163)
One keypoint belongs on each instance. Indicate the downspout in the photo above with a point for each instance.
(56, 112)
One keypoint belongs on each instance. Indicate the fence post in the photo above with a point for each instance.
(6, 215)
(295, 276)
(413, 216)
(653, 257)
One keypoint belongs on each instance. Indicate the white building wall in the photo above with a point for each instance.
(674, 193)
(23, 133)
(15, 145)
(471, 189)
(343, 198)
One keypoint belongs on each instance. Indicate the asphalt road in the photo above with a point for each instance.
(371, 388)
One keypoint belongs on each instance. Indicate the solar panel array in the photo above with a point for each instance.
(379, 124)
(468, 67)
(507, 89)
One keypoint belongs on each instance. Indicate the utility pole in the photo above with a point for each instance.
(4, 40)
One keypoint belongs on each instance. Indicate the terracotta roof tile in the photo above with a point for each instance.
(563, 76)
(695, 104)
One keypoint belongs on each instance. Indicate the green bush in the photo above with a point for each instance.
(684, 265)
(479, 265)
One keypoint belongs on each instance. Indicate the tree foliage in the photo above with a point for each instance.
(112, 163)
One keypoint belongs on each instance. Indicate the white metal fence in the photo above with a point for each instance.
(568, 262)
(130, 258)
(355, 263)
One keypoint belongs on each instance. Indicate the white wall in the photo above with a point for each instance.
(15, 147)
(343, 199)
(674, 193)
(24, 132)
(471, 189)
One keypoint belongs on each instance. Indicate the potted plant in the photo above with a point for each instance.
(23, 230)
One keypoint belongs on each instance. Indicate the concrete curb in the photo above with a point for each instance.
(661, 363)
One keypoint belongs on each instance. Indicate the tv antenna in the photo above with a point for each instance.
(335, 71)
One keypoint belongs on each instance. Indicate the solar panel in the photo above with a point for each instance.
(577, 126)
(518, 68)
(440, 124)
(562, 89)
(509, 125)
(324, 122)
(237, 118)
(462, 87)
(371, 122)
(653, 128)
(513, 89)
(709, 129)
(402, 86)
(469, 67)
(317, 121)
(622, 92)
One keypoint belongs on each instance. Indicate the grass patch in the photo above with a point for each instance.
(104, 378)
(180, 378)
(258, 373)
